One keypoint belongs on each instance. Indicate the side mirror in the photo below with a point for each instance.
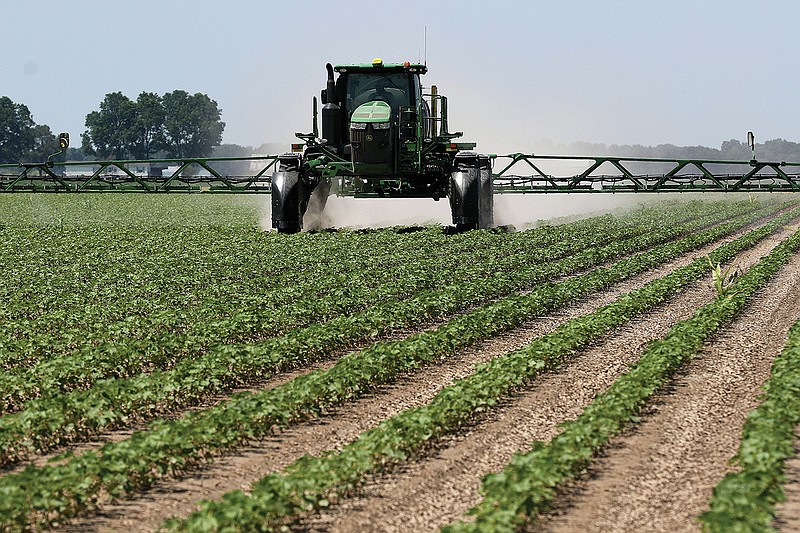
(63, 143)
(751, 142)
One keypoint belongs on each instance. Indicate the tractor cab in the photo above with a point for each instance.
(375, 115)
(394, 88)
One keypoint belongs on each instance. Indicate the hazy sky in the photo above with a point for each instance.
(515, 72)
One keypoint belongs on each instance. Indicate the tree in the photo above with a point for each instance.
(232, 168)
(75, 154)
(184, 125)
(778, 150)
(17, 131)
(734, 150)
(110, 131)
(45, 144)
(147, 135)
(192, 124)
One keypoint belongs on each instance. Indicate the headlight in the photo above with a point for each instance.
(381, 125)
(358, 125)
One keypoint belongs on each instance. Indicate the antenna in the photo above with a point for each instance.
(425, 45)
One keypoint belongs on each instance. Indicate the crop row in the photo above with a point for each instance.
(190, 263)
(40, 211)
(123, 467)
(203, 275)
(148, 285)
(313, 482)
(526, 486)
(745, 500)
(54, 419)
(205, 253)
(79, 369)
(223, 303)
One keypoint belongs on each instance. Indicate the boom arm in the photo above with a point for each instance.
(513, 173)
(522, 173)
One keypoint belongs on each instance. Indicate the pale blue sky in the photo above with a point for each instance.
(614, 72)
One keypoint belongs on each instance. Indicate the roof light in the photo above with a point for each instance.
(406, 64)
(377, 62)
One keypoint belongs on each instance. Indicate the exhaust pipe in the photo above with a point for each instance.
(331, 114)
(330, 91)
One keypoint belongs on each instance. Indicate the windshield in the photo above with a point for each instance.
(392, 88)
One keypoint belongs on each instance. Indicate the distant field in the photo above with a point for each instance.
(130, 209)
(160, 351)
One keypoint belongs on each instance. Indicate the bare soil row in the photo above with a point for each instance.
(439, 489)
(660, 475)
(434, 491)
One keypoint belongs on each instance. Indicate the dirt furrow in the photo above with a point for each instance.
(240, 468)
(661, 474)
(96, 441)
(430, 493)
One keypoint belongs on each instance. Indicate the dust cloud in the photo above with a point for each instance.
(525, 211)
(346, 212)
(521, 211)
(317, 217)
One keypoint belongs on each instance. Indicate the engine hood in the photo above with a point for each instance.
(374, 111)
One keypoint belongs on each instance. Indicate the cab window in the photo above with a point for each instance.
(392, 88)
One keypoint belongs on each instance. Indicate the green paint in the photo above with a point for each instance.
(375, 111)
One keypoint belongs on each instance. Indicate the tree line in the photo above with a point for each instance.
(175, 125)
(182, 125)
(775, 150)
(20, 137)
(732, 150)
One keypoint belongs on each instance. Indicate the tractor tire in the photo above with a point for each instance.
(289, 196)
(471, 192)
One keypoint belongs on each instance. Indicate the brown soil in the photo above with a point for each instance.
(96, 441)
(242, 467)
(660, 476)
(431, 493)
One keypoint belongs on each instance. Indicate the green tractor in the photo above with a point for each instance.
(382, 136)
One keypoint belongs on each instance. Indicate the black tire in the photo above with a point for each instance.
(465, 191)
(289, 197)
(461, 228)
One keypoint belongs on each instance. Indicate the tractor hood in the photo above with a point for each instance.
(375, 111)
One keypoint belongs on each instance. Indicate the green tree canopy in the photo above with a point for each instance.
(17, 131)
(232, 168)
(147, 134)
(110, 131)
(45, 144)
(192, 124)
(183, 125)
